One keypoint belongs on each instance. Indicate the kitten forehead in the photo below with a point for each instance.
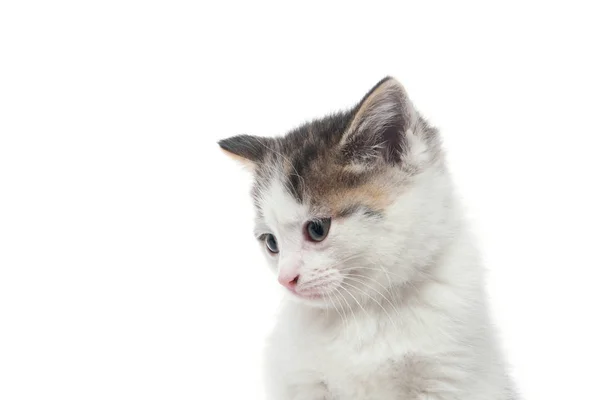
(279, 207)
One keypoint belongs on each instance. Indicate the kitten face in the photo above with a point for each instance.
(345, 205)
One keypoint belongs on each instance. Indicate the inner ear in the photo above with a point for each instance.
(379, 125)
(393, 140)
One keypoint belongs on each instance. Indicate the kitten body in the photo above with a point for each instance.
(390, 303)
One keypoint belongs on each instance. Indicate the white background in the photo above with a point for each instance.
(127, 264)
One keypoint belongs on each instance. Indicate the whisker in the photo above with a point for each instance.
(371, 279)
(342, 306)
(334, 306)
(344, 320)
(338, 312)
(381, 269)
(352, 257)
(376, 302)
(314, 285)
(379, 293)
(355, 299)
(351, 310)
(321, 281)
(360, 305)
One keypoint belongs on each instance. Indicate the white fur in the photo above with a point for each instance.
(416, 328)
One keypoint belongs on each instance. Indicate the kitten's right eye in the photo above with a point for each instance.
(271, 243)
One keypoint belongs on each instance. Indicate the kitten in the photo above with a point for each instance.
(357, 217)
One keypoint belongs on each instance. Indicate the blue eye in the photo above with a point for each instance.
(271, 243)
(316, 231)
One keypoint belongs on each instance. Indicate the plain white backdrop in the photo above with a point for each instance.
(128, 269)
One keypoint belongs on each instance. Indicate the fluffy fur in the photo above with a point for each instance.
(391, 304)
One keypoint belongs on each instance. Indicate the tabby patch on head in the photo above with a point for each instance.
(345, 161)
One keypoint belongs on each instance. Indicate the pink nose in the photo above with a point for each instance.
(289, 282)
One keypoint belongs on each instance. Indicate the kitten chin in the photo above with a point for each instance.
(356, 215)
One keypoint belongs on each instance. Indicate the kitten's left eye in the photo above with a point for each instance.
(316, 231)
(271, 243)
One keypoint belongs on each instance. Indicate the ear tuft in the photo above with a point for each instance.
(247, 149)
(379, 126)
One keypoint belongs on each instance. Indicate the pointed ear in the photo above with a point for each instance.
(249, 150)
(379, 125)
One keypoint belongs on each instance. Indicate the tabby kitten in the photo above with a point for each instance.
(357, 218)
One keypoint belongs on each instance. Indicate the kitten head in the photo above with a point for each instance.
(350, 204)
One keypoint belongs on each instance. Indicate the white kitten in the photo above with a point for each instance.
(357, 217)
